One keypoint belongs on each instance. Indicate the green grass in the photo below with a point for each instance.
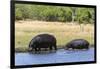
(64, 33)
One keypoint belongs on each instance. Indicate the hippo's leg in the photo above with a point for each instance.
(45, 49)
(66, 48)
(50, 47)
(55, 47)
(87, 47)
(36, 49)
(39, 49)
(30, 49)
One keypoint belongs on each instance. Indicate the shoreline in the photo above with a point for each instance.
(26, 50)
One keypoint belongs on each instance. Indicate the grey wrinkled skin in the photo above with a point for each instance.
(78, 44)
(43, 41)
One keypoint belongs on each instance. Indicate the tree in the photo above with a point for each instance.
(73, 13)
(18, 15)
(54, 13)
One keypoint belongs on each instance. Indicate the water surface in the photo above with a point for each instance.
(60, 56)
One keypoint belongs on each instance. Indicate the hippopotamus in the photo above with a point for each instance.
(78, 44)
(43, 41)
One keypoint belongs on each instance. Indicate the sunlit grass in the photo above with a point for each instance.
(64, 32)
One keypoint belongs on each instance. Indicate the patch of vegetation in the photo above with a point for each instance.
(64, 33)
(54, 13)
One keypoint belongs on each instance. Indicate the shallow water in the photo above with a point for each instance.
(60, 56)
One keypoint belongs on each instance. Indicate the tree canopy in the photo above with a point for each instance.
(54, 13)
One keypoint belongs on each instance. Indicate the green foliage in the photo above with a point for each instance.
(85, 15)
(18, 14)
(54, 13)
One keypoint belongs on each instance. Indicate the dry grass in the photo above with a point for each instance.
(64, 32)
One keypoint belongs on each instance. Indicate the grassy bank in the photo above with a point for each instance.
(64, 32)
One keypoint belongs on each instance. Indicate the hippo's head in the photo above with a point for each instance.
(68, 45)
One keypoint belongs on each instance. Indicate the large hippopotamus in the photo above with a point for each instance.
(43, 41)
(78, 44)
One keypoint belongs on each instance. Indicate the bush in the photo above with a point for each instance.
(54, 13)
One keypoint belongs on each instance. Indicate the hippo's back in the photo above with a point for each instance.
(78, 43)
(46, 38)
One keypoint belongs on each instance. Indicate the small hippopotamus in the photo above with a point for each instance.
(78, 44)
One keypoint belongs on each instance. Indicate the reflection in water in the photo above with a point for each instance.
(59, 56)
(43, 52)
